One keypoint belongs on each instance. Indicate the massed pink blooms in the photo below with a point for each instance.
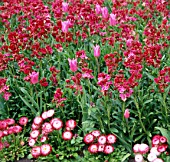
(112, 19)
(73, 64)
(34, 77)
(127, 114)
(96, 51)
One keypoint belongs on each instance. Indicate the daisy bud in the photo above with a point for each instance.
(108, 149)
(163, 139)
(23, 120)
(155, 151)
(67, 135)
(88, 138)
(50, 113)
(34, 134)
(38, 120)
(101, 148)
(46, 149)
(102, 139)
(36, 151)
(143, 148)
(158, 160)
(138, 158)
(151, 157)
(136, 148)
(71, 124)
(111, 138)
(95, 133)
(93, 148)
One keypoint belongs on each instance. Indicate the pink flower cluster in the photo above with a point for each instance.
(4, 89)
(159, 145)
(100, 142)
(41, 130)
(8, 127)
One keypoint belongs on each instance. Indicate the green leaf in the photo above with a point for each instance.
(165, 133)
(125, 157)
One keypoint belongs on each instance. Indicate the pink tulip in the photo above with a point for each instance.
(112, 19)
(105, 13)
(96, 51)
(65, 26)
(64, 6)
(98, 9)
(127, 114)
(73, 64)
(34, 77)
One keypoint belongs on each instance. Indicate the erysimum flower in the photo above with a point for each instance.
(71, 124)
(67, 135)
(111, 138)
(73, 64)
(102, 139)
(108, 149)
(138, 158)
(93, 148)
(46, 149)
(23, 120)
(88, 138)
(36, 151)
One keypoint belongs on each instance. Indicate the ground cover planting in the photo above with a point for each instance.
(85, 80)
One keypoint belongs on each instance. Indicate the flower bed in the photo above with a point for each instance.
(84, 80)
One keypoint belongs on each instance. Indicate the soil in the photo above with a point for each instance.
(25, 160)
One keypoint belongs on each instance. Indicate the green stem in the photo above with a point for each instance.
(165, 106)
(140, 118)
(98, 66)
